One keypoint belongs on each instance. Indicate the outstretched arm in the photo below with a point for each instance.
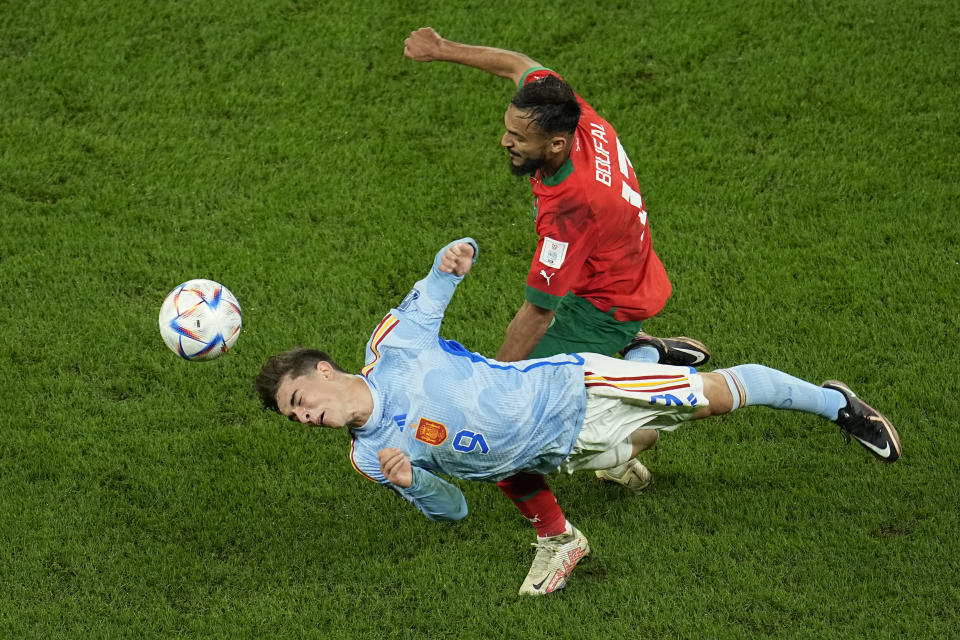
(457, 259)
(428, 300)
(426, 45)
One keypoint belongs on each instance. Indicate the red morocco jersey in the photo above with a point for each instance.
(594, 237)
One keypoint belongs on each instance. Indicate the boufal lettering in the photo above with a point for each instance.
(601, 155)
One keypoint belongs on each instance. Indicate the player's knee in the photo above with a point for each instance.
(643, 439)
(718, 394)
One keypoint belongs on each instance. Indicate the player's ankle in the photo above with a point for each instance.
(554, 531)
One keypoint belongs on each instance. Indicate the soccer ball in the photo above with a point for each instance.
(200, 320)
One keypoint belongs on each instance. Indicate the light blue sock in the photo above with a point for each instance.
(645, 353)
(754, 384)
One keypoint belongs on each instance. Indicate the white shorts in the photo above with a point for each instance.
(623, 396)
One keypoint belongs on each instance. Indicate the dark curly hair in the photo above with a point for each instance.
(552, 105)
(294, 362)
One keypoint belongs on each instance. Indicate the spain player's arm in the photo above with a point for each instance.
(428, 300)
(436, 498)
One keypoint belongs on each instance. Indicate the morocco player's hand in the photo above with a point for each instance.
(423, 45)
(396, 467)
(457, 259)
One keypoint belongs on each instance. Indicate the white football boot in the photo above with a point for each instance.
(556, 557)
(631, 474)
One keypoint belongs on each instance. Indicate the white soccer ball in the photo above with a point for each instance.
(200, 320)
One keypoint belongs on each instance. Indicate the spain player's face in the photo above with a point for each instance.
(316, 398)
(525, 143)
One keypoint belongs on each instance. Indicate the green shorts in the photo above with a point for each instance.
(579, 326)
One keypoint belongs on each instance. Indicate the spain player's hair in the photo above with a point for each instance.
(552, 105)
(294, 362)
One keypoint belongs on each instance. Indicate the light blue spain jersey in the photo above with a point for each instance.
(458, 413)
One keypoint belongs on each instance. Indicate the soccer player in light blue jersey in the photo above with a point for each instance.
(423, 406)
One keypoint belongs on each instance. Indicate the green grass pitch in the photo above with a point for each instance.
(800, 164)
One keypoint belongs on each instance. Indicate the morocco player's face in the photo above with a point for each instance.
(525, 143)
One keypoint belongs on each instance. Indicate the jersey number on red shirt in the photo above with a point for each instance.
(626, 191)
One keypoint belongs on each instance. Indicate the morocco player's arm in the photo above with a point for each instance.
(426, 45)
(558, 261)
(524, 332)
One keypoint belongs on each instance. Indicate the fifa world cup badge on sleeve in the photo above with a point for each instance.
(553, 253)
(409, 299)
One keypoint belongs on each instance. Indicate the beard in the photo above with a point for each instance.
(528, 167)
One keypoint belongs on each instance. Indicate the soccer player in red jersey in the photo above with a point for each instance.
(594, 277)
